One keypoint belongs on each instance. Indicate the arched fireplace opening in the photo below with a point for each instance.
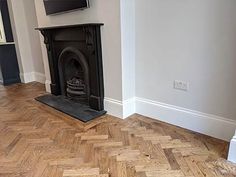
(74, 75)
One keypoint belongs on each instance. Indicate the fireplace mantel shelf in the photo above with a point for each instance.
(69, 26)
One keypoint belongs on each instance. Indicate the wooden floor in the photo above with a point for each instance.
(36, 141)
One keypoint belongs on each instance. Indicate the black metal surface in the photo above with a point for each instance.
(59, 6)
(70, 107)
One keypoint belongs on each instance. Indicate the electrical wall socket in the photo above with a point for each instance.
(181, 85)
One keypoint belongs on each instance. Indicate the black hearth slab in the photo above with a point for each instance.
(70, 107)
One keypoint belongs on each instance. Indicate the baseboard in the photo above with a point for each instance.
(232, 150)
(207, 124)
(128, 107)
(120, 109)
(32, 77)
(27, 77)
(113, 107)
(48, 86)
(39, 77)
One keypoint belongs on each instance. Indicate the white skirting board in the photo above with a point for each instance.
(207, 124)
(114, 107)
(232, 150)
(48, 86)
(128, 107)
(215, 126)
(120, 109)
(32, 76)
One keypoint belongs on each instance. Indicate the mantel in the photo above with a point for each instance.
(69, 26)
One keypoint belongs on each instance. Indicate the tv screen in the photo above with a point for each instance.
(58, 6)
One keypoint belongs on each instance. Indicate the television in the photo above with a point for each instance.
(59, 6)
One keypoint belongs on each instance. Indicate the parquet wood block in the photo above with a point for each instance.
(38, 141)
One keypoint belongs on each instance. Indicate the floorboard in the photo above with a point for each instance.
(38, 141)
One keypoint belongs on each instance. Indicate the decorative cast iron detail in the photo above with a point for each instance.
(46, 39)
(89, 38)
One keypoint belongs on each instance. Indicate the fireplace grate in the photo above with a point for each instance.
(76, 88)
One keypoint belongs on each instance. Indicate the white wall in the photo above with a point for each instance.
(187, 40)
(128, 55)
(192, 41)
(34, 36)
(24, 20)
(103, 11)
(128, 47)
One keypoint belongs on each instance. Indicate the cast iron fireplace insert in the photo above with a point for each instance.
(75, 62)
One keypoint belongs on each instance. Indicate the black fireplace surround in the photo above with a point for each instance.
(75, 61)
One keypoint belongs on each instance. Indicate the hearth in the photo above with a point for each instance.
(75, 61)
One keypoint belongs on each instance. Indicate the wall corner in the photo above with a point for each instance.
(232, 150)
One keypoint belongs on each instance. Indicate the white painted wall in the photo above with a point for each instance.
(127, 18)
(24, 20)
(34, 36)
(128, 47)
(187, 40)
(107, 12)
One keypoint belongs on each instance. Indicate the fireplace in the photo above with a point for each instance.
(75, 61)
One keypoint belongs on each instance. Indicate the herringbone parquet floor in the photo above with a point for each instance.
(37, 141)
